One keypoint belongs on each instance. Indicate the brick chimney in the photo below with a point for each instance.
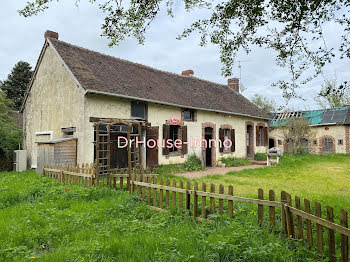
(233, 83)
(187, 73)
(52, 34)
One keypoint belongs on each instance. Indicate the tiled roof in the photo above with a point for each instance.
(340, 115)
(98, 72)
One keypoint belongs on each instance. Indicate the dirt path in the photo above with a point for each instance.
(216, 171)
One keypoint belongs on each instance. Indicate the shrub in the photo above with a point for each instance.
(260, 156)
(193, 163)
(232, 161)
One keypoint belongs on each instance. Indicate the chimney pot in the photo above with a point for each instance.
(187, 73)
(233, 83)
(52, 34)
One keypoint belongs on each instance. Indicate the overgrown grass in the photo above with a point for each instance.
(42, 220)
(260, 156)
(193, 163)
(234, 161)
(322, 178)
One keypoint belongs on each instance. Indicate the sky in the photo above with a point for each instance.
(22, 39)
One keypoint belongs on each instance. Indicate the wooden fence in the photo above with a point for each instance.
(295, 222)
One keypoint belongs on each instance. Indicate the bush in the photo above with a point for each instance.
(232, 161)
(260, 156)
(193, 163)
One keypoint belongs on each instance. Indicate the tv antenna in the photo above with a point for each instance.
(241, 86)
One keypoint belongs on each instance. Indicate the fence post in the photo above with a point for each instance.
(149, 191)
(260, 207)
(128, 178)
(272, 215)
(155, 181)
(167, 194)
(181, 196)
(204, 201)
(344, 240)
(161, 194)
(331, 236)
(212, 200)
(188, 196)
(319, 231)
(173, 195)
(299, 219)
(289, 217)
(230, 202)
(308, 224)
(221, 201)
(195, 200)
(283, 214)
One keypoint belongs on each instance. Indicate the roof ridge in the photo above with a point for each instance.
(142, 65)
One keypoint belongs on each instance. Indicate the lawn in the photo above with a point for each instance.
(42, 220)
(323, 178)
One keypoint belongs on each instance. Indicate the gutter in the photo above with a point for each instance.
(169, 104)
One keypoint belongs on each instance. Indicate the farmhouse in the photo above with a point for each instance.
(80, 100)
(330, 130)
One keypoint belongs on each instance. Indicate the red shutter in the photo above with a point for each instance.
(184, 140)
(166, 134)
(233, 140)
(221, 137)
(257, 135)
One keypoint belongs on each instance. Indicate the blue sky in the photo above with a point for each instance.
(22, 39)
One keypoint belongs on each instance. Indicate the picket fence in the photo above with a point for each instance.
(295, 222)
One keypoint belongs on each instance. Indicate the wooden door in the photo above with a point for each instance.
(152, 153)
(327, 146)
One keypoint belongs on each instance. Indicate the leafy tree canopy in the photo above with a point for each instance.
(266, 104)
(333, 95)
(10, 133)
(16, 84)
(293, 29)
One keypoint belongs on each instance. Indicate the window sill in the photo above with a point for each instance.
(172, 154)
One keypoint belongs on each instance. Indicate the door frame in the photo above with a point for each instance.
(213, 149)
(321, 144)
(249, 124)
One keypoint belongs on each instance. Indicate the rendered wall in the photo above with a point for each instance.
(337, 132)
(113, 107)
(55, 101)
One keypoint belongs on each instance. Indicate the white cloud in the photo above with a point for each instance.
(22, 38)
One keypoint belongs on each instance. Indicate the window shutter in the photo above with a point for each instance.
(233, 140)
(184, 140)
(221, 137)
(166, 134)
(257, 135)
(266, 136)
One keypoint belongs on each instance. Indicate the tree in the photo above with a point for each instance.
(332, 95)
(266, 104)
(293, 29)
(297, 133)
(15, 86)
(10, 132)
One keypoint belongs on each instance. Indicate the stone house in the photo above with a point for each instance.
(73, 86)
(330, 130)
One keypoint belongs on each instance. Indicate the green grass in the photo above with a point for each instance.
(234, 161)
(322, 178)
(42, 220)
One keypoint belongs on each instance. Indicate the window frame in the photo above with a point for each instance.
(145, 110)
(192, 113)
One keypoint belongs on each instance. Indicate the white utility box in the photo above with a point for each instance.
(20, 160)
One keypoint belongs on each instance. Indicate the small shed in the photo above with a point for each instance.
(59, 151)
